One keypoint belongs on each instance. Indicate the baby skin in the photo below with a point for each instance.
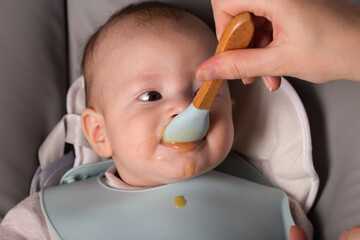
(140, 75)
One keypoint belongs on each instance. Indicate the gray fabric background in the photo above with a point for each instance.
(34, 76)
(334, 115)
(33, 80)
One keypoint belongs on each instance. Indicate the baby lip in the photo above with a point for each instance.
(182, 146)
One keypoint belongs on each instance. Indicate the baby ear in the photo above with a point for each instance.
(93, 127)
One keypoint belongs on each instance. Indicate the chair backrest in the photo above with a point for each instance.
(34, 81)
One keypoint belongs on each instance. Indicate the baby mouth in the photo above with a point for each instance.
(182, 146)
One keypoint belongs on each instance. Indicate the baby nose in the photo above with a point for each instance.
(178, 105)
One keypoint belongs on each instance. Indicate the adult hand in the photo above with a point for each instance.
(297, 233)
(317, 41)
(352, 234)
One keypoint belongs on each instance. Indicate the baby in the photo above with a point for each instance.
(139, 71)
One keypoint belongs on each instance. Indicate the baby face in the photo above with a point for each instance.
(146, 81)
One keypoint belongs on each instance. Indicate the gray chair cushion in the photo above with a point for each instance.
(33, 80)
(334, 116)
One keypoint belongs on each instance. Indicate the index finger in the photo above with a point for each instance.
(225, 10)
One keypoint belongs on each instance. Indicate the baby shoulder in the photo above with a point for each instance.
(25, 221)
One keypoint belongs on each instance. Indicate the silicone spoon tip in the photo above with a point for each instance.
(191, 125)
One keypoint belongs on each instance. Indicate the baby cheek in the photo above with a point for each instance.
(129, 146)
(221, 135)
(221, 117)
(138, 137)
(145, 149)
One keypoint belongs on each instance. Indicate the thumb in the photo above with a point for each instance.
(297, 233)
(241, 63)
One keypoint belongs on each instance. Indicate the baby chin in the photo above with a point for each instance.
(182, 165)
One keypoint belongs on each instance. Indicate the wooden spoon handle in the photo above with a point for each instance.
(238, 34)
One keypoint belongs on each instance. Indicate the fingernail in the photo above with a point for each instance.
(268, 84)
(208, 74)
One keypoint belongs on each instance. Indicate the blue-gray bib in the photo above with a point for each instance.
(237, 203)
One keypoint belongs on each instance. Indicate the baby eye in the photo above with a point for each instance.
(150, 96)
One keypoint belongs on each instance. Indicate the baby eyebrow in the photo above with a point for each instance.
(140, 83)
(145, 77)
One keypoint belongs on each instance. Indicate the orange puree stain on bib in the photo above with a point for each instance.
(179, 202)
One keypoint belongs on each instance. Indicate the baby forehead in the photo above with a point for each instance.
(129, 27)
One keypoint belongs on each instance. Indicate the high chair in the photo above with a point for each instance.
(42, 47)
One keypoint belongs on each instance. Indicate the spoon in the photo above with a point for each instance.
(192, 124)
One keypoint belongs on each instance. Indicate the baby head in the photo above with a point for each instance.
(139, 73)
